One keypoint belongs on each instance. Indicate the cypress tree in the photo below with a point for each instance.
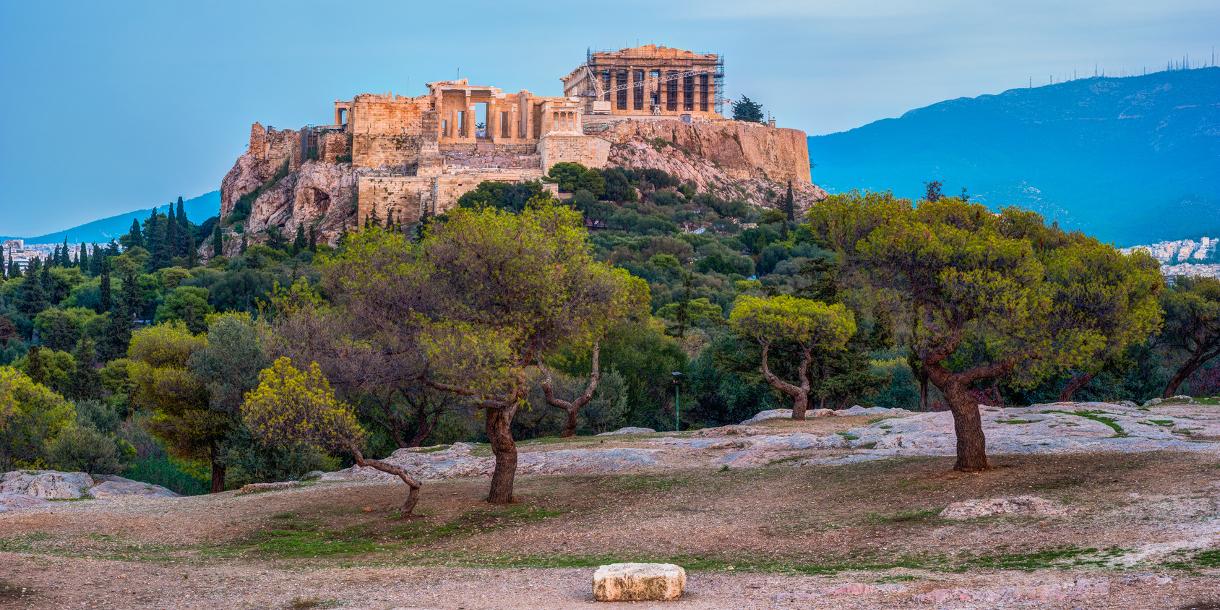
(66, 256)
(790, 204)
(134, 237)
(184, 225)
(192, 255)
(217, 240)
(35, 369)
(299, 243)
(85, 381)
(130, 299)
(82, 258)
(31, 295)
(313, 240)
(104, 286)
(172, 239)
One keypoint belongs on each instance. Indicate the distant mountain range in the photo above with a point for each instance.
(1130, 160)
(198, 209)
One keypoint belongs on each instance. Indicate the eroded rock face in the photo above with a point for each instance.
(1025, 506)
(638, 582)
(734, 159)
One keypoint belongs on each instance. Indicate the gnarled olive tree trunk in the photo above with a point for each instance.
(412, 484)
(572, 407)
(798, 393)
(504, 448)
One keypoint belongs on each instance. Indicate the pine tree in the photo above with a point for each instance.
(95, 261)
(66, 257)
(299, 243)
(35, 368)
(313, 240)
(243, 242)
(746, 109)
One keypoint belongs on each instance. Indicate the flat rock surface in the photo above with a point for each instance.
(853, 435)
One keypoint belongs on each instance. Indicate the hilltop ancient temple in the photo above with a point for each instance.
(388, 155)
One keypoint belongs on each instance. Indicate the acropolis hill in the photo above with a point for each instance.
(405, 158)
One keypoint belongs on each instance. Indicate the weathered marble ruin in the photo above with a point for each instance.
(393, 156)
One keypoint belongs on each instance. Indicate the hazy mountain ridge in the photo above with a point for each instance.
(103, 230)
(1131, 160)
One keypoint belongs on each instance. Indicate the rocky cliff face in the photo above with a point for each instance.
(733, 159)
(288, 178)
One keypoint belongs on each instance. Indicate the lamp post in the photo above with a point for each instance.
(677, 400)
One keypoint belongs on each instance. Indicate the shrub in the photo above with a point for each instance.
(84, 449)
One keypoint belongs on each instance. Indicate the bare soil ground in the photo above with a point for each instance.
(1140, 531)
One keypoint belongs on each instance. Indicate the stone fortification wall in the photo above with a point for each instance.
(410, 197)
(586, 150)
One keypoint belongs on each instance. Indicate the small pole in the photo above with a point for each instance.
(677, 401)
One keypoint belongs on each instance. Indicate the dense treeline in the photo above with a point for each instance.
(518, 315)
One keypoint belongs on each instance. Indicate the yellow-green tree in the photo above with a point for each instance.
(485, 295)
(291, 406)
(811, 326)
(162, 383)
(31, 415)
(990, 295)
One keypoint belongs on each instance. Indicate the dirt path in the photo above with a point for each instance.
(88, 583)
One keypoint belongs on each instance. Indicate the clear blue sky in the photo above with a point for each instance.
(118, 105)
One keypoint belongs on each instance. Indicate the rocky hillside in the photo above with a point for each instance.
(282, 182)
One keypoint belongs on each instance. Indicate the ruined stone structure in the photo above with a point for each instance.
(649, 81)
(393, 156)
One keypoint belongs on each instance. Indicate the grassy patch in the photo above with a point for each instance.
(1097, 416)
(919, 515)
(303, 602)
(1060, 557)
(651, 482)
(1014, 420)
(1200, 560)
(1167, 423)
(848, 435)
(294, 537)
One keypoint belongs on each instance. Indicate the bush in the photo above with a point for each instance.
(167, 473)
(84, 449)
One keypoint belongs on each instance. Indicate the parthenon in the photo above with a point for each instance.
(649, 80)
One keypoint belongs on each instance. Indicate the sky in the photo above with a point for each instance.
(114, 106)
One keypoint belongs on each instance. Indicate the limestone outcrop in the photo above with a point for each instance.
(715, 155)
(638, 582)
(22, 489)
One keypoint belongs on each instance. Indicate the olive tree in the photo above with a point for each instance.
(812, 326)
(1192, 326)
(994, 295)
(291, 406)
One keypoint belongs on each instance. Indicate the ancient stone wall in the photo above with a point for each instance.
(390, 132)
(409, 197)
(588, 151)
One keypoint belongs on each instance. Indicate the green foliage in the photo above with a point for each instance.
(809, 324)
(572, 177)
(186, 304)
(746, 109)
(85, 449)
(162, 384)
(30, 416)
(511, 196)
(291, 406)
